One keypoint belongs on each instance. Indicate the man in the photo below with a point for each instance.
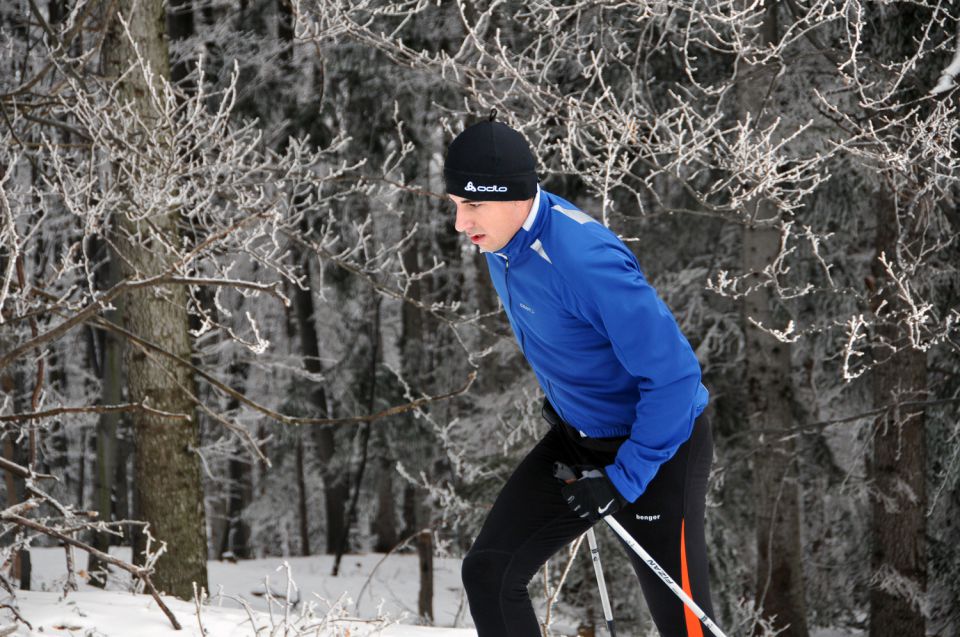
(622, 385)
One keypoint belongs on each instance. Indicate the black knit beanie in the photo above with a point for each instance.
(490, 161)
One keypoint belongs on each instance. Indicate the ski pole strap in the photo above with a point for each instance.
(662, 574)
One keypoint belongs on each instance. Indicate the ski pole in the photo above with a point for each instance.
(662, 574)
(566, 475)
(604, 599)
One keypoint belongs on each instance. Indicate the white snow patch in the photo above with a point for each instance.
(391, 593)
(948, 79)
(119, 614)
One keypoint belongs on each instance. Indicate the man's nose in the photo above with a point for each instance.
(463, 221)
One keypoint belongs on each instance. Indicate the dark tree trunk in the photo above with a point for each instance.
(335, 488)
(374, 335)
(425, 558)
(16, 493)
(302, 498)
(111, 378)
(897, 469)
(167, 469)
(236, 538)
(124, 507)
(385, 521)
(779, 576)
(416, 512)
(82, 470)
(425, 555)
(180, 26)
(409, 510)
(11, 383)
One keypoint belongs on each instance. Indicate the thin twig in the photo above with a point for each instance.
(93, 409)
(140, 573)
(23, 472)
(17, 614)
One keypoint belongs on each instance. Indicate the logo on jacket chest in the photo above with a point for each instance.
(526, 307)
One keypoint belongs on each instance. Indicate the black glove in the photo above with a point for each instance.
(588, 491)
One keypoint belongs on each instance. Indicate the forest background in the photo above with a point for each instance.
(233, 304)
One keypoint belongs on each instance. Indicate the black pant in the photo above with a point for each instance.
(530, 522)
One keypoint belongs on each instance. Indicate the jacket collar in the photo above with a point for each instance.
(529, 232)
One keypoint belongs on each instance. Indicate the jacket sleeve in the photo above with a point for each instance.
(614, 297)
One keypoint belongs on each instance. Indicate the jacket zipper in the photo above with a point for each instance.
(506, 286)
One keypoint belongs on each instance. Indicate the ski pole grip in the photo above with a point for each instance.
(563, 473)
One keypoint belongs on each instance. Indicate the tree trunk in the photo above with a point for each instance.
(302, 498)
(82, 470)
(236, 538)
(111, 377)
(896, 472)
(425, 555)
(779, 581)
(779, 576)
(416, 513)
(385, 521)
(408, 510)
(335, 488)
(124, 506)
(235, 541)
(364, 433)
(179, 27)
(166, 467)
(16, 493)
(11, 382)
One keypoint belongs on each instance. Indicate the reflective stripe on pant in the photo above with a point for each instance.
(529, 522)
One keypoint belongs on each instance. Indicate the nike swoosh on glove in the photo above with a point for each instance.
(591, 495)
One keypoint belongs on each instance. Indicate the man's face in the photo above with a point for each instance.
(490, 224)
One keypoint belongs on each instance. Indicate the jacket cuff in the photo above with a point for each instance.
(620, 483)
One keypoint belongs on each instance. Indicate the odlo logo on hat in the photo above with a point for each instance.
(471, 188)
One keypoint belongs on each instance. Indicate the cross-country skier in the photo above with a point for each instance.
(622, 385)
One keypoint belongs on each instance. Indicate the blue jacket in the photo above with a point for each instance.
(606, 350)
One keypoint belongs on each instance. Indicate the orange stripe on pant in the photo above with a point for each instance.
(693, 624)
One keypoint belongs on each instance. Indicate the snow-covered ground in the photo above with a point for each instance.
(117, 614)
(325, 606)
